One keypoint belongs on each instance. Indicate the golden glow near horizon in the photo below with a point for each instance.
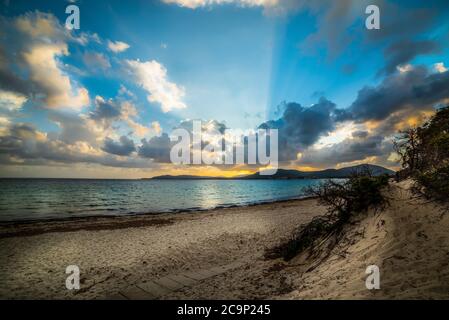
(99, 172)
(306, 168)
(205, 171)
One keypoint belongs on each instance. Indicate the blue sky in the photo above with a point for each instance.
(242, 63)
(222, 56)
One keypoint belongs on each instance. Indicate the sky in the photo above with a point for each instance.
(101, 101)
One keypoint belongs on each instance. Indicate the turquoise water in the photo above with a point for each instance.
(35, 199)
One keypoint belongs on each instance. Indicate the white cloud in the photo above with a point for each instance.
(342, 132)
(40, 25)
(404, 68)
(45, 71)
(118, 46)
(269, 6)
(439, 67)
(124, 91)
(11, 101)
(38, 41)
(193, 4)
(4, 126)
(128, 110)
(152, 76)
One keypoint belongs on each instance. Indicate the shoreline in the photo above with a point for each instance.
(155, 213)
(22, 228)
(408, 241)
(115, 253)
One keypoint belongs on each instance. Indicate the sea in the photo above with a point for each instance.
(43, 199)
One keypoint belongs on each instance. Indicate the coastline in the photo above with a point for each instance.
(58, 201)
(111, 259)
(408, 241)
(101, 222)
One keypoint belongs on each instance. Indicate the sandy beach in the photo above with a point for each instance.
(408, 241)
(110, 259)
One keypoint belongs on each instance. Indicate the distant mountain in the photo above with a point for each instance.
(293, 174)
(324, 174)
(185, 177)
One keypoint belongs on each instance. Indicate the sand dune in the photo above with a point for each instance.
(409, 242)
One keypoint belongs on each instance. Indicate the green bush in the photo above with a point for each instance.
(357, 194)
(304, 238)
(434, 184)
(424, 153)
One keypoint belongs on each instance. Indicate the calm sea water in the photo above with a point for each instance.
(34, 199)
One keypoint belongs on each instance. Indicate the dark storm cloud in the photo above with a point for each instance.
(404, 51)
(156, 148)
(73, 128)
(340, 23)
(398, 97)
(25, 142)
(14, 142)
(349, 150)
(105, 110)
(398, 21)
(404, 30)
(123, 147)
(10, 82)
(360, 134)
(211, 125)
(415, 89)
(300, 127)
(334, 18)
